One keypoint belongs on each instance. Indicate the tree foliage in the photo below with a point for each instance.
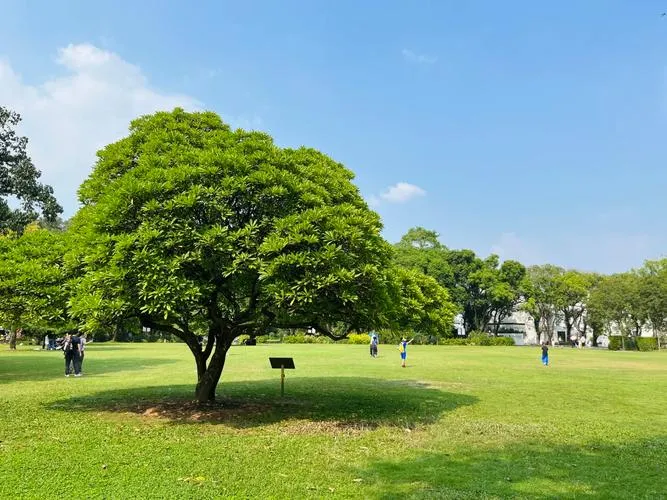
(421, 250)
(423, 305)
(19, 179)
(484, 290)
(33, 291)
(541, 299)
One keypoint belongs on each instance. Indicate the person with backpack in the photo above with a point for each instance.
(72, 350)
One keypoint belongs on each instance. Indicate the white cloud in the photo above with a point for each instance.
(413, 57)
(68, 118)
(402, 192)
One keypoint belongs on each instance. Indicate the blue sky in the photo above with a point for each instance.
(536, 130)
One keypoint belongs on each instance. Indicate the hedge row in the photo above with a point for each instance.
(633, 343)
(479, 339)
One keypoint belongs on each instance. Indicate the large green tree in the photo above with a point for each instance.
(199, 230)
(19, 179)
(33, 290)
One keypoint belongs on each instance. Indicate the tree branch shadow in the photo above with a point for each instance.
(347, 403)
(525, 470)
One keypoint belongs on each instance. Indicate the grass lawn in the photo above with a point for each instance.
(458, 422)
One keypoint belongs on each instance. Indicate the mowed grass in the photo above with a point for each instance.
(458, 422)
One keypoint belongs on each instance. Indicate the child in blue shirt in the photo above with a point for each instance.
(403, 348)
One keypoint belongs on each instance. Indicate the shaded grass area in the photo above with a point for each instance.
(350, 402)
(459, 422)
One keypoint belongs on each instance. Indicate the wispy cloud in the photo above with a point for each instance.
(413, 57)
(401, 192)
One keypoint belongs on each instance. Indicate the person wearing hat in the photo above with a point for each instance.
(403, 349)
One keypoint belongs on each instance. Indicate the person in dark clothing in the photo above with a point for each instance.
(545, 354)
(72, 349)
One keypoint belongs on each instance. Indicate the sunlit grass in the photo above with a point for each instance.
(458, 422)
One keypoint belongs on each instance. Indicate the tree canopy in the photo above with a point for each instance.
(19, 179)
(197, 229)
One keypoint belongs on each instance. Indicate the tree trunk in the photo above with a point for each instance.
(568, 329)
(207, 381)
(12, 339)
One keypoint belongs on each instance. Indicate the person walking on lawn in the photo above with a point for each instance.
(545, 354)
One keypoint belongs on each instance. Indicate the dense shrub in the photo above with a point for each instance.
(301, 338)
(479, 339)
(455, 341)
(616, 343)
(647, 343)
(358, 338)
(296, 338)
(508, 341)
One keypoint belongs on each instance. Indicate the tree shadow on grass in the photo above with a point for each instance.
(344, 403)
(36, 366)
(626, 470)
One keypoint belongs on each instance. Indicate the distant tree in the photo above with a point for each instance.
(617, 303)
(33, 291)
(421, 250)
(507, 293)
(18, 179)
(485, 290)
(423, 305)
(463, 285)
(541, 299)
(653, 291)
(571, 297)
(201, 231)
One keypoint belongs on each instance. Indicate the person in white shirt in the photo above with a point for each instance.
(82, 338)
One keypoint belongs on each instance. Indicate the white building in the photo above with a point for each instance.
(521, 327)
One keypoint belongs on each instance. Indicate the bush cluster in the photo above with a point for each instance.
(633, 343)
(301, 338)
(479, 338)
(358, 338)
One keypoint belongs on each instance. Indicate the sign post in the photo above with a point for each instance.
(283, 364)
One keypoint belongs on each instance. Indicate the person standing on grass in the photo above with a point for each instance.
(403, 349)
(72, 349)
(82, 339)
(374, 344)
(67, 352)
(545, 354)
